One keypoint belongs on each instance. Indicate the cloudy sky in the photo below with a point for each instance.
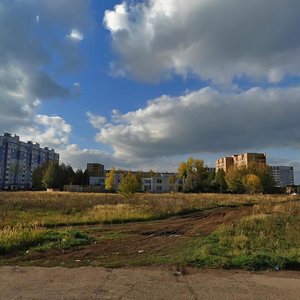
(146, 84)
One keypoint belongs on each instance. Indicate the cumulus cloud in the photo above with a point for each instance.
(96, 121)
(79, 157)
(50, 131)
(75, 35)
(216, 40)
(207, 121)
(28, 42)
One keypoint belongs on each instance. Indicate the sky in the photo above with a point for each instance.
(147, 84)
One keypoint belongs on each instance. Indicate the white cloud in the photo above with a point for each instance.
(216, 40)
(50, 131)
(75, 35)
(79, 157)
(207, 121)
(96, 121)
(24, 83)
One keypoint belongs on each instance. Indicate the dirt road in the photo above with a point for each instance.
(119, 244)
(144, 283)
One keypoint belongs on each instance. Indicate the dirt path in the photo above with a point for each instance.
(129, 244)
(144, 283)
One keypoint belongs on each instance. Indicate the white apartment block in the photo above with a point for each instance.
(19, 159)
(283, 175)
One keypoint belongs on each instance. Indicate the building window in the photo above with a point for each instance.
(159, 181)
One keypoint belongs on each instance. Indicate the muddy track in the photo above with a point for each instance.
(136, 239)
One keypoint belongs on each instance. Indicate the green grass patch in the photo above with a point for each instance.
(19, 238)
(63, 239)
(256, 242)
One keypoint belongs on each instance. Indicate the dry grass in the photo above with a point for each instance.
(268, 238)
(58, 208)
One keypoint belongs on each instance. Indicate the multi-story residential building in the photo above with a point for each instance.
(240, 160)
(224, 163)
(95, 170)
(245, 159)
(97, 181)
(283, 175)
(19, 159)
(96, 173)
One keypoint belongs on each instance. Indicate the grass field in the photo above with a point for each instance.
(268, 236)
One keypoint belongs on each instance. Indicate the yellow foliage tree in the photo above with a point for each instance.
(110, 180)
(253, 184)
(129, 185)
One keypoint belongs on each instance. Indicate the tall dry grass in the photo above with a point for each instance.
(268, 238)
(60, 208)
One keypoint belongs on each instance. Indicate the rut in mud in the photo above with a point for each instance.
(136, 239)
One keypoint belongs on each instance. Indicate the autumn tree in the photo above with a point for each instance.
(265, 175)
(252, 184)
(129, 185)
(239, 179)
(234, 179)
(194, 175)
(172, 180)
(110, 180)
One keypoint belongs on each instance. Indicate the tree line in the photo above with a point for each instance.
(55, 176)
(256, 178)
(195, 177)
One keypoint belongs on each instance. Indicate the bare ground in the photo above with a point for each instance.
(144, 283)
(137, 240)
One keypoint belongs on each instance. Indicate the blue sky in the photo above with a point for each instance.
(146, 84)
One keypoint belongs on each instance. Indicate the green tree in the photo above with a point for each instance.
(37, 176)
(209, 183)
(80, 177)
(110, 180)
(220, 181)
(129, 185)
(52, 176)
(67, 175)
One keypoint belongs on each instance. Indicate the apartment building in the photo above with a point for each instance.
(283, 175)
(245, 159)
(95, 170)
(224, 163)
(240, 160)
(19, 159)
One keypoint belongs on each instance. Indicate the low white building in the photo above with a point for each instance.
(283, 175)
(160, 184)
